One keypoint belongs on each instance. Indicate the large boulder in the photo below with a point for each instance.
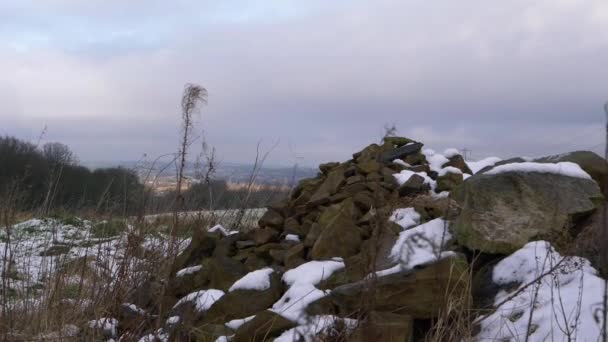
(502, 212)
(339, 235)
(420, 293)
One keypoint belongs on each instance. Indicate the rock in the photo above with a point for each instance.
(371, 152)
(245, 244)
(374, 177)
(271, 218)
(416, 159)
(364, 201)
(55, 250)
(420, 293)
(294, 256)
(449, 181)
(401, 152)
(264, 235)
(340, 236)
(368, 166)
(202, 246)
(244, 303)
(458, 162)
(313, 234)
(222, 272)
(325, 168)
(265, 325)
(292, 226)
(420, 168)
(384, 326)
(355, 179)
(331, 185)
(594, 165)
(413, 186)
(398, 141)
(431, 208)
(502, 212)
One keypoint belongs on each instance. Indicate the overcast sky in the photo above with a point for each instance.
(322, 78)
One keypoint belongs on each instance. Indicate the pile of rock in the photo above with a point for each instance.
(341, 247)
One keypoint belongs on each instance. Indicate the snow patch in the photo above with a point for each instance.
(313, 272)
(451, 152)
(292, 237)
(236, 323)
(477, 166)
(310, 331)
(202, 299)
(257, 280)
(222, 230)
(188, 270)
(295, 300)
(564, 168)
(562, 294)
(422, 244)
(405, 217)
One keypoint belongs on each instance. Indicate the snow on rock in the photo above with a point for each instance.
(188, 270)
(564, 168)
(202, 299)
(405, 217)
(107, 325)
(313, 272)
(401, 162)
(302, 290)
(476, 166)
(159, 336)
(435, 160)
(451, 152)
(173, 320)
(222, 230)
(222, 339)
(422, 244)
(236, 323)
(405, 175)
(315, 326)
(257, 280)
(565, 304)
(292, 237)
(448, 169)
(295, 300)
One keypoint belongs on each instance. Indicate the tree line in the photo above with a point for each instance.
(47, 178)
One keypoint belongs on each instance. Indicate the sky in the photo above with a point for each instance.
(312, 80)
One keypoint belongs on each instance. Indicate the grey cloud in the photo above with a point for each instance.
(508, 78)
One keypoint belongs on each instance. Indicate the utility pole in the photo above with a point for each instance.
(466, 153)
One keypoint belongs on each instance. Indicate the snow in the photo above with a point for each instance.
(188, 270)
(562, 294)
(158, 336)
(564, 168)
(403, 176)
(422, 244)
(173, 320)
(222, 230)
(134, 308)
(295, 300)
(449, 169)
(222, 339)
(202, 299)
(476, 166)
(313, 272)
(401, 162)
(292, 237)
(106, 324)
(451, 152)
(257, 280)
(405, 217)
(435, 160)
(302, 290)
(310, 331)
(236, 323)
